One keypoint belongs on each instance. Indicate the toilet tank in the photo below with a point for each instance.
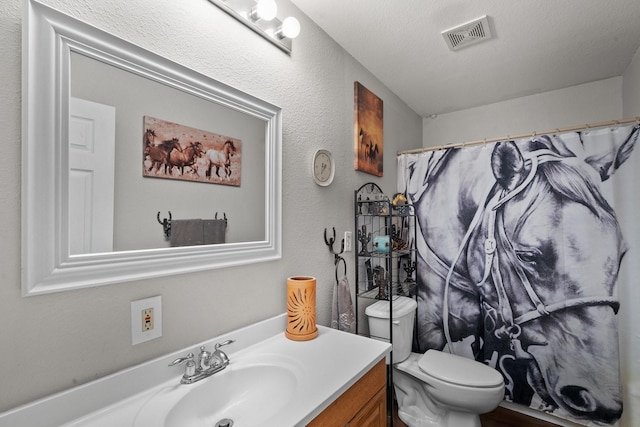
(404, 310)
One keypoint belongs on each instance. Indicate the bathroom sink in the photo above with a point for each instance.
(248, 392)
(271, 381)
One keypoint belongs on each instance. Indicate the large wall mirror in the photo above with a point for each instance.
(118, 143)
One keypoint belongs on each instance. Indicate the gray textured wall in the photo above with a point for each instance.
(69, 338)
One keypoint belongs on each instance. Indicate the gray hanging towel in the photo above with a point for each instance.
(186, 232)
(342, 315)
(214, 231)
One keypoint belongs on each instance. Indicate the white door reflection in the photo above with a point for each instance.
(92, 128)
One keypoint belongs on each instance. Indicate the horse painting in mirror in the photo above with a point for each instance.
(186, 157)
(519, 253)
(220, 159)
(158, 154)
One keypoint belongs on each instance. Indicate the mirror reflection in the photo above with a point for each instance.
(119, 121)
(94, 207)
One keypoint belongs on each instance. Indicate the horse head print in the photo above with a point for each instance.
(149, 139)
(523, 269)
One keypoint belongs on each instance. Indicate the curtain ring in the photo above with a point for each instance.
(587, 129)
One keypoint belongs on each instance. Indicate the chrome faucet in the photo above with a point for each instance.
(207, 364)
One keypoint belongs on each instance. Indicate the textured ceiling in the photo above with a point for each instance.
(537, 45)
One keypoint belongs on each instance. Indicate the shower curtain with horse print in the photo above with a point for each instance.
(519, 254)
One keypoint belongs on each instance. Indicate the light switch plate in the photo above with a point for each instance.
(348, 241)
(143, 327)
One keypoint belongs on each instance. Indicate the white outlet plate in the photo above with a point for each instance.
(138, 335)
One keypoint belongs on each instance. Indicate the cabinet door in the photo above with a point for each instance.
(374, 413)
(352, 403)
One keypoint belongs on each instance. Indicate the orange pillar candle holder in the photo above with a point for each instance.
(301, 308)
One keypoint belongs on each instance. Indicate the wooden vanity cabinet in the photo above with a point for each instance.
(364, 404)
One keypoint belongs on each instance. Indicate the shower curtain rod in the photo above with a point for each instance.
(524, 135)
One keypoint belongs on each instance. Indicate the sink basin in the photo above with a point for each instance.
(271, 381)
(247, 392)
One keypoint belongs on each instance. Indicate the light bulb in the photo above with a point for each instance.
(266, 9)
(290, 27)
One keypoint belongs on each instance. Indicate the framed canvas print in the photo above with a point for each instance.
(368, 130)
(174, 151)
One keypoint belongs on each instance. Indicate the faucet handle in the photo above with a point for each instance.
(182, 360)
(227, 342)
(190, 367)
(220, 355)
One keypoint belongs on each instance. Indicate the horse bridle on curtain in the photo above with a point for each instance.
(505, 326)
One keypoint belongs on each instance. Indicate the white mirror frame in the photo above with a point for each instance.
(48, 39)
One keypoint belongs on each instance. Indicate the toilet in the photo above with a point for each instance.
(434, 389)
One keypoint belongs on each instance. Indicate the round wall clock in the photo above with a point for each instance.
(323, 167)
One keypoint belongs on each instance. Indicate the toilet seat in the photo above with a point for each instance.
(458, 370)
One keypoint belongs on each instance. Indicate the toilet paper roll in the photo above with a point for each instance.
(301, 308)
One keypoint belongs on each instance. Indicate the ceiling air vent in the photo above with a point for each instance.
(467, 34)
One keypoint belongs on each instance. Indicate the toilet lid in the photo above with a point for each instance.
(458, 370)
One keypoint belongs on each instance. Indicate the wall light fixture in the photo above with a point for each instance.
(260, 16)
(264, 9)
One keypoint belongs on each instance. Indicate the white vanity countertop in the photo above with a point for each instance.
(330, 364)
